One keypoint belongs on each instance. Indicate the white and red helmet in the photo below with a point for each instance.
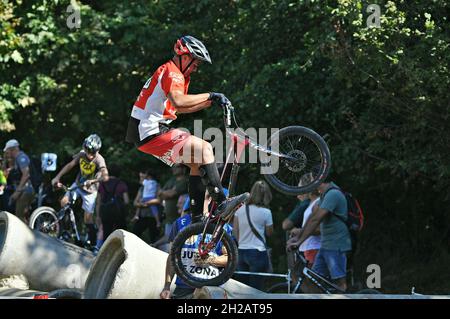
(190, 45)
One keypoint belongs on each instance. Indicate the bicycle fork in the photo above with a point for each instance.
(74, 224)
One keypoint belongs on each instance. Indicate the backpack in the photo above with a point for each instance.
(355, 216)
(36, 175)
(111, 206)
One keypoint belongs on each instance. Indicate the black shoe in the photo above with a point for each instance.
(230, 205)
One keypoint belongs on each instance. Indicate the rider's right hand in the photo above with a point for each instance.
(219, 98)
(56, 183)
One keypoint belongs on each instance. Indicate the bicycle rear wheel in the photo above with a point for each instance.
(42, 217)
(308, 154)
(184, 250)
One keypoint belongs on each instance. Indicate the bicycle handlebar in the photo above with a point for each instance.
(76, 186)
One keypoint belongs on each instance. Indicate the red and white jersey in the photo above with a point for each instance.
(152, 106)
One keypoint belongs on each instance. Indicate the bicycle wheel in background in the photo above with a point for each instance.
(42, 218)
(185, 249)
(309, 154)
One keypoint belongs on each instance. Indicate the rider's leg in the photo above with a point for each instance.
(64, 200)
(203, 174)
(90, 226)
(100, 233)
(88, 207)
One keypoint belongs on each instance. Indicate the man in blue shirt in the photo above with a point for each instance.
(24, 193)
(331, 260)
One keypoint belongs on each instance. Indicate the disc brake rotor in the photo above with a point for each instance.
(299, 163)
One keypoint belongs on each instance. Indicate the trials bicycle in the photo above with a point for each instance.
(293, 151)
(61, 224)
(303, 271)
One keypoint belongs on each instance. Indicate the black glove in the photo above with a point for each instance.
(219, 98)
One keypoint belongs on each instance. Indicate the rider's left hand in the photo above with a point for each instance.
(87, 183)
(219, 98)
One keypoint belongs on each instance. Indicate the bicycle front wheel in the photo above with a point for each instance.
(45, 220)
(306, 155)
(185, 250)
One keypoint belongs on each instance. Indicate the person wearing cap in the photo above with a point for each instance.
(23, 193)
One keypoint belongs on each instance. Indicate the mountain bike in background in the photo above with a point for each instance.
(303, 271)
(60, 224)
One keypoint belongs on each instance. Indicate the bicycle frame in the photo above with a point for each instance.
(239, 142)
(67, 210)
(315, 279)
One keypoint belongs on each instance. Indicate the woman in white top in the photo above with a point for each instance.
(252, 249)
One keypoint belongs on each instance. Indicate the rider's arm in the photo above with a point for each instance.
(66, 168)
(195, 108)
(104, 177)
(180, 100)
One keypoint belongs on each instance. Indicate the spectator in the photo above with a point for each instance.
(295, 218)
(331, 260)
(12, 180)
(149, 192)
(253, 255)
(224, 182)
(216, 260)
(111, 205)
(163, 242)
(172, 189)
(310, 246)
(23, 193)
(181, 204)
(144, 217)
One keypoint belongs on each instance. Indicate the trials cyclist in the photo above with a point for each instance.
(92, 170)
(164, 95)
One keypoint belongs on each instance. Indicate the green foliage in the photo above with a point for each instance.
(379, 95)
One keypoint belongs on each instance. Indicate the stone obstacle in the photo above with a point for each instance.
(32, 263)
(126, 267)
(47, 263)
(224, 293)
